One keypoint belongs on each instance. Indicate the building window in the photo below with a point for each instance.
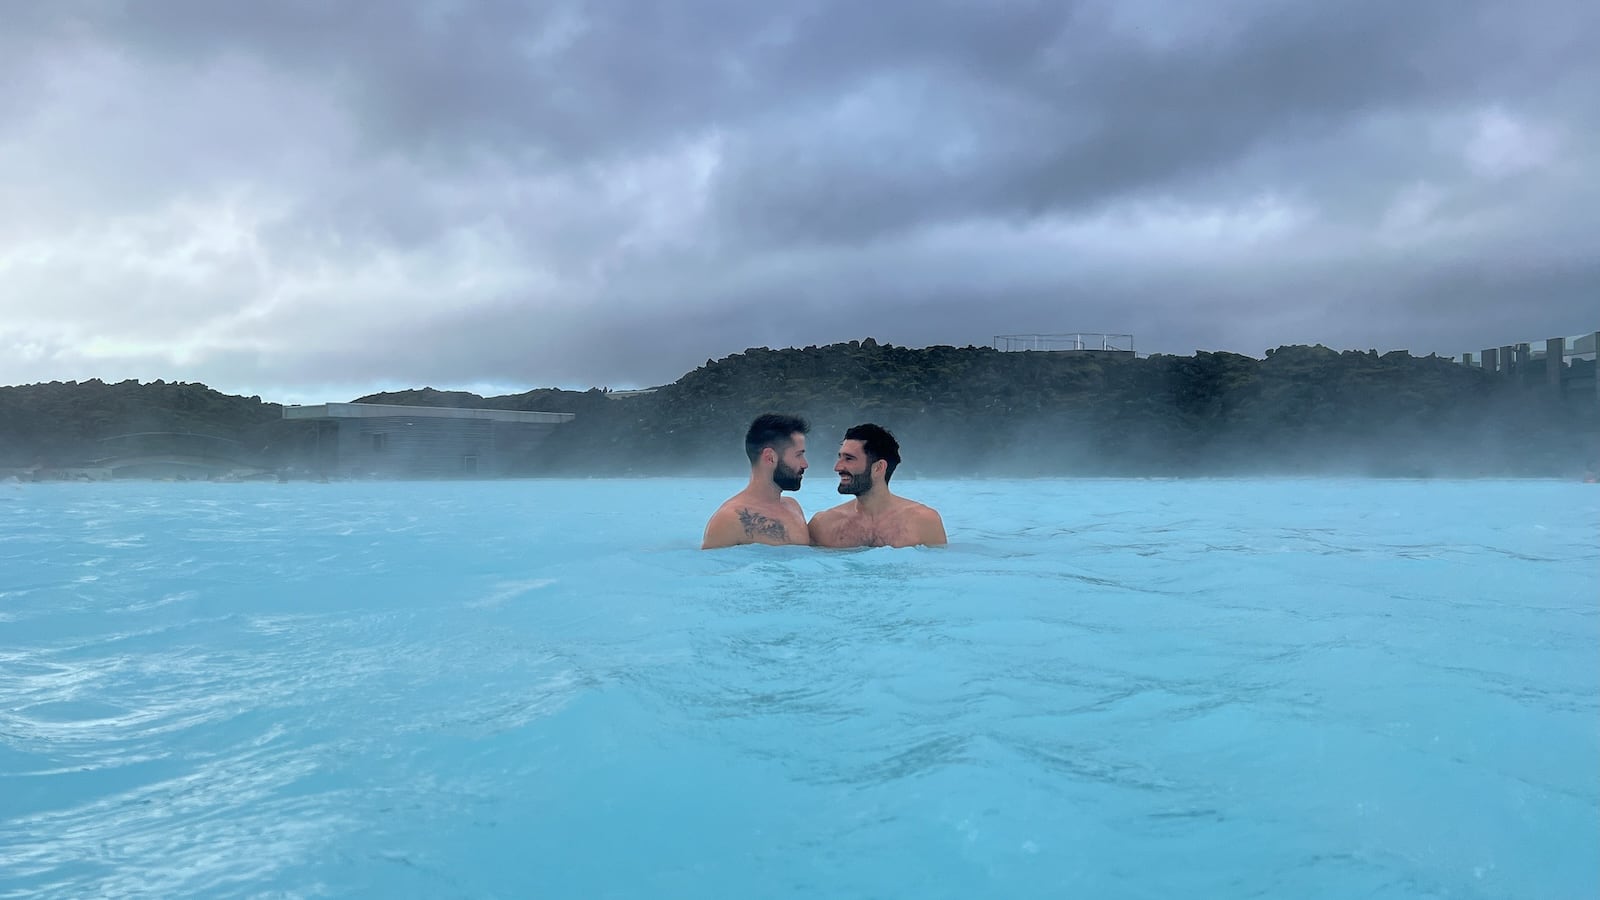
(469, 464)
(380, 442)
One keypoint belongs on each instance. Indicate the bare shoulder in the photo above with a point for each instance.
(825, 523)
(724, 529)
(906, 508)
(729, 508)
(926, 523)
(834, 512)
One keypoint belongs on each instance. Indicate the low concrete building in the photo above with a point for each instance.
(378, 440)
(1568, 364)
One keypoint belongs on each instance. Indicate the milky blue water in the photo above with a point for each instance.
(542, 689)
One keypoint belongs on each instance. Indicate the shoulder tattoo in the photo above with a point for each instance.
(757, 525)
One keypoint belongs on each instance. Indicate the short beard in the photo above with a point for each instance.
(786, 478)
(857, 484)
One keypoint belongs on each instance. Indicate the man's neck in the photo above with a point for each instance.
(763, 487)
(874, 501)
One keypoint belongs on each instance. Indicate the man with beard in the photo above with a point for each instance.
(875, 518)
(760, 514)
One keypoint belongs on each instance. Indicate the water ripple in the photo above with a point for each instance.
(1285, 688)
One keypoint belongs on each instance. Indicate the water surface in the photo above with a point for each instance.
(506, 689)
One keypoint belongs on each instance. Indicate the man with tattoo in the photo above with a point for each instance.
(760, 514)
(875, 518)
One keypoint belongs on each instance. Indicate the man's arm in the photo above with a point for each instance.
(724, 530)
(929, 528)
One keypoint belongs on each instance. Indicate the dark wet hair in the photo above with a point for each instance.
(877, 443)
(772, 430)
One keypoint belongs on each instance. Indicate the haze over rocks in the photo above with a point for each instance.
(957, 411)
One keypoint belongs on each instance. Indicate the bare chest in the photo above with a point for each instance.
(862, 532)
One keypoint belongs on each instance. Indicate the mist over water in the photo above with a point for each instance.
(1291, 687)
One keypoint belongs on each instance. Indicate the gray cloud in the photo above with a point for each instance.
(308, 197)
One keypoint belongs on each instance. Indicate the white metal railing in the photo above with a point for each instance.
(384, 410)
(1077, 340)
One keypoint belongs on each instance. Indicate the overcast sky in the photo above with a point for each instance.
(310, 200)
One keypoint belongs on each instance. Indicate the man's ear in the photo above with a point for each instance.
(769, 455)
(879, 468)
